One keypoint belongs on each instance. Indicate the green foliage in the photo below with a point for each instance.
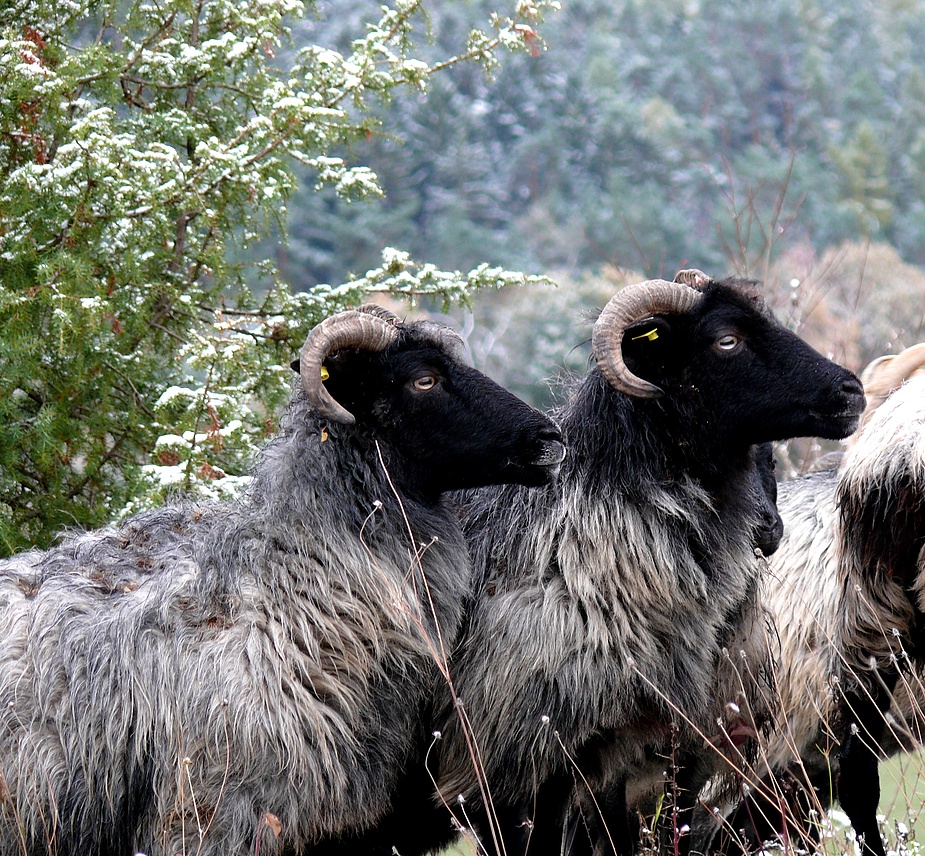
(865, 189)
(145, 149)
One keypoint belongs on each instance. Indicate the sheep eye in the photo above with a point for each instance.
(727, 343)
(425, 383)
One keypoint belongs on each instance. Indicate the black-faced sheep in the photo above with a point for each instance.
(616, 622)
(770, 528)
(806, 623)
(846, 592)
(215, 678)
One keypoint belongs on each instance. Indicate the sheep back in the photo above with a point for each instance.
(210, 667)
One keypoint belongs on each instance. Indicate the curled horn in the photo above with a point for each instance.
(886, 374)
(364, 328)
(627, 306)
(379, 312)
(692, 277)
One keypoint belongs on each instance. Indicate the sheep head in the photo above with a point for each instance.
(443, 424)
(368, 328)
(712, 358)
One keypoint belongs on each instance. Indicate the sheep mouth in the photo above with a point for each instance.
(844, 414)
(553, 455)
(839, 424)
(543, 468)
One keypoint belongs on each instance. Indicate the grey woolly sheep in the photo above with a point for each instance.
(215, 678)
(616, 622)
(846, 593)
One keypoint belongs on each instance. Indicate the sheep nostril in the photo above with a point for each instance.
(852, 386)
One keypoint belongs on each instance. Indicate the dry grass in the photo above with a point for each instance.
(902, 804)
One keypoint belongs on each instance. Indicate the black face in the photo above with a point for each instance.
(449, 425)
(770, 525)
(741, 375)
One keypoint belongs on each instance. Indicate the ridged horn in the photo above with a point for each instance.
(445, 338)
(356, 328)
(378, 311)
(886, 374)
(692, 277)
(626, 307)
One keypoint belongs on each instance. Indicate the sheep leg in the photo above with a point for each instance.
(684, 797)
(534, 829)
(780, 808)
(413, 825)
(858, 779)
(602, 829)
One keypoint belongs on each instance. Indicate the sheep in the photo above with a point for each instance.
(770, 527)
(222, 678)
(881, 499)
(806, 626)
(416, 825)
(615, 617)
(845, 591)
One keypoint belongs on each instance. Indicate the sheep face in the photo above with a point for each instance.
(770, 529)
(443, 425)
(731, 371)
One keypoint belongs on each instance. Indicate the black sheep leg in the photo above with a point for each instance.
(784, 808)
(601, 826)
(610, 828)
(415, 826)
(858, 779)
(533, 829)
(682, 799)
(604, 827)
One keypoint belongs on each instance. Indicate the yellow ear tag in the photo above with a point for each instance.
(324, 435)
(652, 335)
(325, 374)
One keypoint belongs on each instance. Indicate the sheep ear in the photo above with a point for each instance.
(296, 366)
(649, 330)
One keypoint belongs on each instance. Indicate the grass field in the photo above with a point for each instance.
(902, 802)
(902, 798)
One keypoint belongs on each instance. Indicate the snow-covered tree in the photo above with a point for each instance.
(145, 148)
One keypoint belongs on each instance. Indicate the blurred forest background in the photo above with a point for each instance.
(186, 187)
(647, 134)
(782, 140)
